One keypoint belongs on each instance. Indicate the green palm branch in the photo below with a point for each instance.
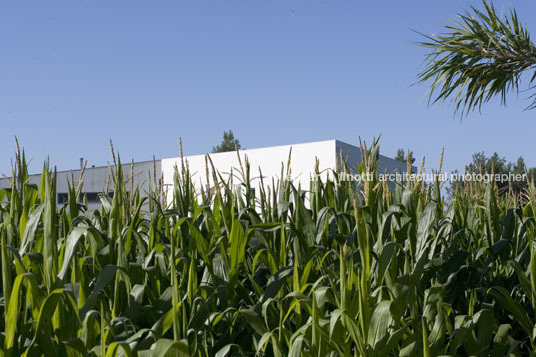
(481, 56)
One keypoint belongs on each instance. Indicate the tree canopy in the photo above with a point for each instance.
(229, 143)
(403, 157)
(495, 164)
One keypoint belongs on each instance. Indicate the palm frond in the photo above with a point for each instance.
(481, 56)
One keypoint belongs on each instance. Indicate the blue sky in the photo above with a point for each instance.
(74, 74)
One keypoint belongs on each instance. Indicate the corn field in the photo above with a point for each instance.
(327, 270)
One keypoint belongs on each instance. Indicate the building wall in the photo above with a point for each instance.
(386, 165)
(271, 159)
(353, 155)
(95, 179)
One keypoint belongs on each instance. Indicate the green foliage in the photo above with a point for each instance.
(481, 56)
(403, 157)
(481, 164)
(229, 143)
(329, 271)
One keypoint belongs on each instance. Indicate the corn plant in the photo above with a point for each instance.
(333, 269)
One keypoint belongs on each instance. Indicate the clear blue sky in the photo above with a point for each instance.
(74, 74)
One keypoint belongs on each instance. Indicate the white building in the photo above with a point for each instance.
(303, 159)
(270, 160)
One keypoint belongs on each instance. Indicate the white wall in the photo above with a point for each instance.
(270, 160)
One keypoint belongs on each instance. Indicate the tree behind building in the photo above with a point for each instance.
(229, 143)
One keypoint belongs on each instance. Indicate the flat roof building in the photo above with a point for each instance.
(303, 159)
